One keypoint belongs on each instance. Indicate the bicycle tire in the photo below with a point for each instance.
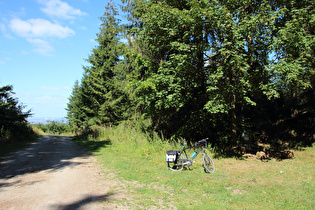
(208, 163)
(178, 166)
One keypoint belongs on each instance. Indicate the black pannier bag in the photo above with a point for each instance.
(172, 156)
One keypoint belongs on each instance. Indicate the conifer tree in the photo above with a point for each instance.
(13, 120)
(99, 75)
(75, 113)
(101, 96)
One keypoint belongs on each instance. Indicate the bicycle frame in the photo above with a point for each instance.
(183, 151)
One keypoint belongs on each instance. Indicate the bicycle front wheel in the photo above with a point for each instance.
(208, 163)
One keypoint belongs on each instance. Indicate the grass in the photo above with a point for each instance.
(236, 184)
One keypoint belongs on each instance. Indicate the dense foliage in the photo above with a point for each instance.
(13, 120)
(54, 127)
(218, 69)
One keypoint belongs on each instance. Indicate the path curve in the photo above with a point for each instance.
(54, 173)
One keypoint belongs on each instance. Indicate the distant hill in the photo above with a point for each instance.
(44, 120)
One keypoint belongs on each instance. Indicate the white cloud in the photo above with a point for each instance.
(36, 98)
(55, 88)
(40, 98)
(83, 28)
(41, 46)
(3, 60)
(60, 9)
(39, 28)
(2, 27)
(48, 98)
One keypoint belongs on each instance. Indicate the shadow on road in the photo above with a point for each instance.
(47, 153)
(79, 204)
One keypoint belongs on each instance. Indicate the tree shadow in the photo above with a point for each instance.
(85, 201)
(3, 184)
(46, 153)
(92, 145)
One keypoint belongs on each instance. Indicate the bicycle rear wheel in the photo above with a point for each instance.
(178, 166)
(208, 163)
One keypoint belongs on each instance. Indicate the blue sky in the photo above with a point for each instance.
(43, 44)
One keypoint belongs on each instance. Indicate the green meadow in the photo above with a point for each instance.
(138, 160)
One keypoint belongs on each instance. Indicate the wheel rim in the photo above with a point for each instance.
(208, 163)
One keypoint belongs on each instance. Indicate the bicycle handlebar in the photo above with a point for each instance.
(199, 143)
(203, 141)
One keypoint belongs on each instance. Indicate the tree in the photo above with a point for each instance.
(204, 68)
(12, 116)
(241, 40)
(172, 53)
(211, 56)
(293, 69)
(101, 97)
(99, 76)
(75, 113)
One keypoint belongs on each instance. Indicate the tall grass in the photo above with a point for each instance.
(139, 158)
(18, 138)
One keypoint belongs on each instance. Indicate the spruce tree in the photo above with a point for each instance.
(99, 76)
(13, 120)
(102, 96)
(75, 113)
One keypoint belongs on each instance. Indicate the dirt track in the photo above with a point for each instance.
(54, 173)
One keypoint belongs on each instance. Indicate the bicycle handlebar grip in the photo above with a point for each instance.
(203, 140)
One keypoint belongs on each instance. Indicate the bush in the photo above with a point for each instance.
(54, 127)
(17, 132)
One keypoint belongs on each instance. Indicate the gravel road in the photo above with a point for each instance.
(54, 173)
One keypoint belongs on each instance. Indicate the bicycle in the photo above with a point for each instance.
(178, 159)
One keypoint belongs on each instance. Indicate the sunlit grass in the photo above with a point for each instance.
(236, 184)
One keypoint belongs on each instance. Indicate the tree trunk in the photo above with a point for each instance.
(294, 107)
(233, 114)
(233, 121)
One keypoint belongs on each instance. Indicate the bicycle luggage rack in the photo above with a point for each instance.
(172, 155)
